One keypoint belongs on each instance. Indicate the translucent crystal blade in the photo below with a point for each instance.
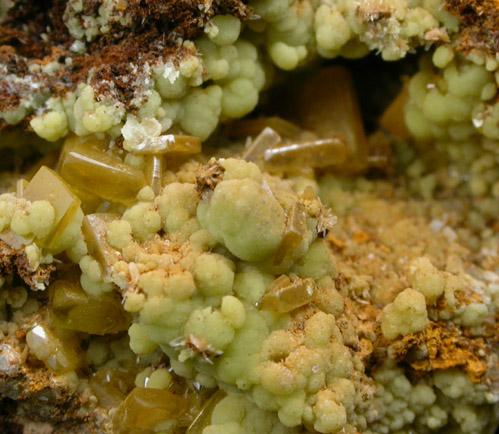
(319, 153)
(154, 166)
(296, 229)
(266, 140)
(94, 230)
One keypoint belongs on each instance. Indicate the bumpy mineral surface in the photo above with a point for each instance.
(328, 263)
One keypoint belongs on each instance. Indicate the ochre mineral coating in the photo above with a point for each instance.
(148, 285)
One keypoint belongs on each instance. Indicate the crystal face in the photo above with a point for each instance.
(144, 408)
(48, 185)
(94, 230)
(296, 228)
(327, 105)
(89, 169)
(72, 308)
(316, 154)
(284, 295)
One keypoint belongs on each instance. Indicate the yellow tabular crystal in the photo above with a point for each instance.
(59, 355)
(296, 228)
(92, 170)
(47, 185)
(319, 153)
(328, 106)
(143, 409)
(267, 139)
(111, 386)
(72, 308)
(253, 127)
(94, 230)
(169, 144)
(284, 295)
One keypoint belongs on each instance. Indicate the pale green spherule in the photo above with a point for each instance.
(213, 275)
(177, 204)
(468, 80)
(331, 29)
(229, 409)
(51, 126)
(7, 209)
(442, 56)
(233, 310)
(202, 109)
(229, 28)
(240, 97)
(170, 86)
(144, 220)
(251, 233)
(159, 379)
(236, 168)
(210, 326)
(317, 262)
(238, 365)
(271, 10)
(140, 343)
(19, 223)
(225, 428)
(285, 56)
(180, 286)
(41, 217)
(250, 283)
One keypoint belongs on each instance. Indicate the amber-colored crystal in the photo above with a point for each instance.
(144, 408)
(296, 230)
(380, 152)
(59, 355)
(392, 119)
(203, 418)
(266, 140)
(319, 153)
(327, 105)
(253, 127)
(154, 167)
(284, 295)
(169, 144)
(71, 308)
(94, 230)
(92, 170)
(111, 386)
(48, 185)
